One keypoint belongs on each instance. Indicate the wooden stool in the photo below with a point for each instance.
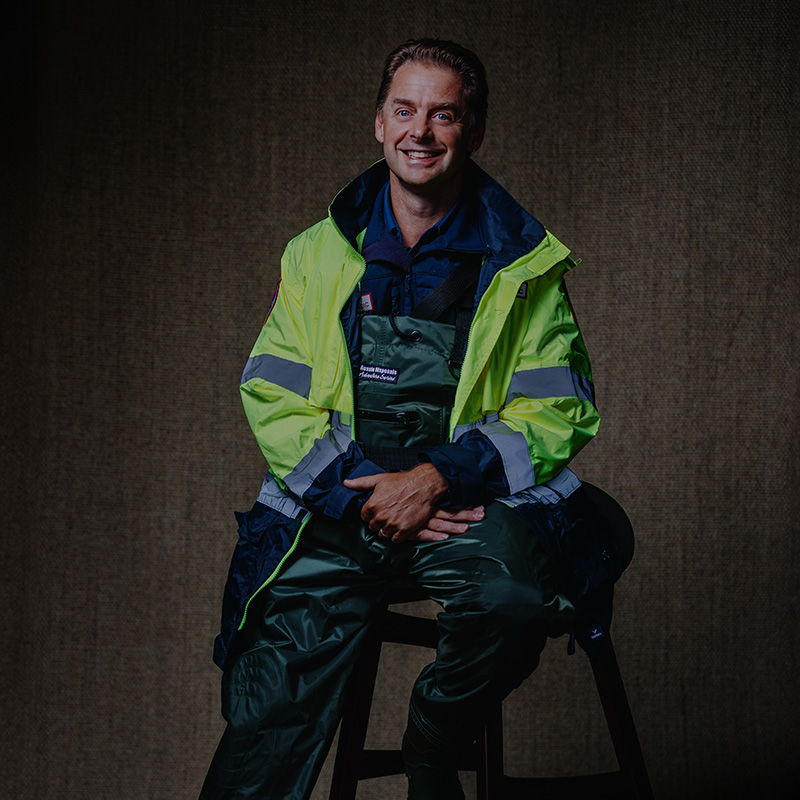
(354, 763)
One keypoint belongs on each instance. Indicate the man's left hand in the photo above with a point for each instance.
(448, 521)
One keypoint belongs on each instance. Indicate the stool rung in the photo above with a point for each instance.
(379, 763)
(403, 629)
(603, 786)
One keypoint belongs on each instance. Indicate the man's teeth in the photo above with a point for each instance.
(419, 154)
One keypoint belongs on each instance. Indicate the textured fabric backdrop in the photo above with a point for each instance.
(162, 153)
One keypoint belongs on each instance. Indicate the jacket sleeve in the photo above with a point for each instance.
(546, 411)
(307, 446)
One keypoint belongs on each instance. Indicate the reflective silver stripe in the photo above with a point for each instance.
(342, 423)
(550, 382)
(286, 374)
(273, 496)
(460, 430)
(513, 449)
(324, 451)
(563, 485)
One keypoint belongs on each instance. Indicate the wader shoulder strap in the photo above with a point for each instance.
(449, 290)
(463, 321)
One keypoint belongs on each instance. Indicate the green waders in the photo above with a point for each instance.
(283, 696)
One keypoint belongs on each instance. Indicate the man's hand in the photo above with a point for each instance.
(447, 521)
(403, 505)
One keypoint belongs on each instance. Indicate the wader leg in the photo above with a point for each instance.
(282, 697)
(499, 602)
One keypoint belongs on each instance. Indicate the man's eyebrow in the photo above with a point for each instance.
(454, 107)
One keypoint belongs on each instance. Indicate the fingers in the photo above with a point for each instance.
(438, 528)
(427, 535)
(447, 526)
(368, 510)
(448, 521)
(471, 514)
(444, 524)
(375, 524)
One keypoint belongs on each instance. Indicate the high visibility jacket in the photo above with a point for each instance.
(525, 397)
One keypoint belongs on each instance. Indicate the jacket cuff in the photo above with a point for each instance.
(462, 471)
(473, 466)
(327, 495)
(345, 504)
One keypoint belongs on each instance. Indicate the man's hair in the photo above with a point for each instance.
(442, 53)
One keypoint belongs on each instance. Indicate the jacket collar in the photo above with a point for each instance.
(505, 227)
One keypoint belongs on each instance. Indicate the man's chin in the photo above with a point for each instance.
(428, 182)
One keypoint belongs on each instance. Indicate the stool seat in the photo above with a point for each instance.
(354, 762)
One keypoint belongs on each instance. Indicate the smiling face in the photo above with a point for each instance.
(424, 132)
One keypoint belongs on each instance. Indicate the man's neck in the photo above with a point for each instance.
(415, 212)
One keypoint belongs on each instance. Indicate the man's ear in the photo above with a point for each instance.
(476, 137)
(379, 125)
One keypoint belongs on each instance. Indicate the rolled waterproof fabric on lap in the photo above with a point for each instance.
(588, 552)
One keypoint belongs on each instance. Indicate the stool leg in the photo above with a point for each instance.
(620, 721)
(355, 719)
(489, 757)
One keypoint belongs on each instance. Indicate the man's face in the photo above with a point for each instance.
(423, 128)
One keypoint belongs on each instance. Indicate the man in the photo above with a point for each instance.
(419, 371)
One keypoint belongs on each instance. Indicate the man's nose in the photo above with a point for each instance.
(421, 128)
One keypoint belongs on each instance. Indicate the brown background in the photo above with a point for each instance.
(161, 155)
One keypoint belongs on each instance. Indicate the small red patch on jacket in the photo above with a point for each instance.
(365, 302)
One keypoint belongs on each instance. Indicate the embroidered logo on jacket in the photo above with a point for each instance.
(381, 374)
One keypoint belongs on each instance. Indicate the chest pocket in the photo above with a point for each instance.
(405, 388)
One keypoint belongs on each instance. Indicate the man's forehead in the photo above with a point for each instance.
(419, 73)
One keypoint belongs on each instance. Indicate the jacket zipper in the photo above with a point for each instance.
(278, 568)
(341, 327)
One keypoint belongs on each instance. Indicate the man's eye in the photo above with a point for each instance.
(403, 112)
(442, 117)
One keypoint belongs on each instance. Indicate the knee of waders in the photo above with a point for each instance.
(249, 687)
(511, 578)
(513, 600)
(510, 604)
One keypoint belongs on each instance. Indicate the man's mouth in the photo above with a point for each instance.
(421, 153)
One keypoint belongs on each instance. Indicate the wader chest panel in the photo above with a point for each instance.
(405, 388)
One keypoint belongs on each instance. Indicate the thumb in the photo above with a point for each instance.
(364, 482)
